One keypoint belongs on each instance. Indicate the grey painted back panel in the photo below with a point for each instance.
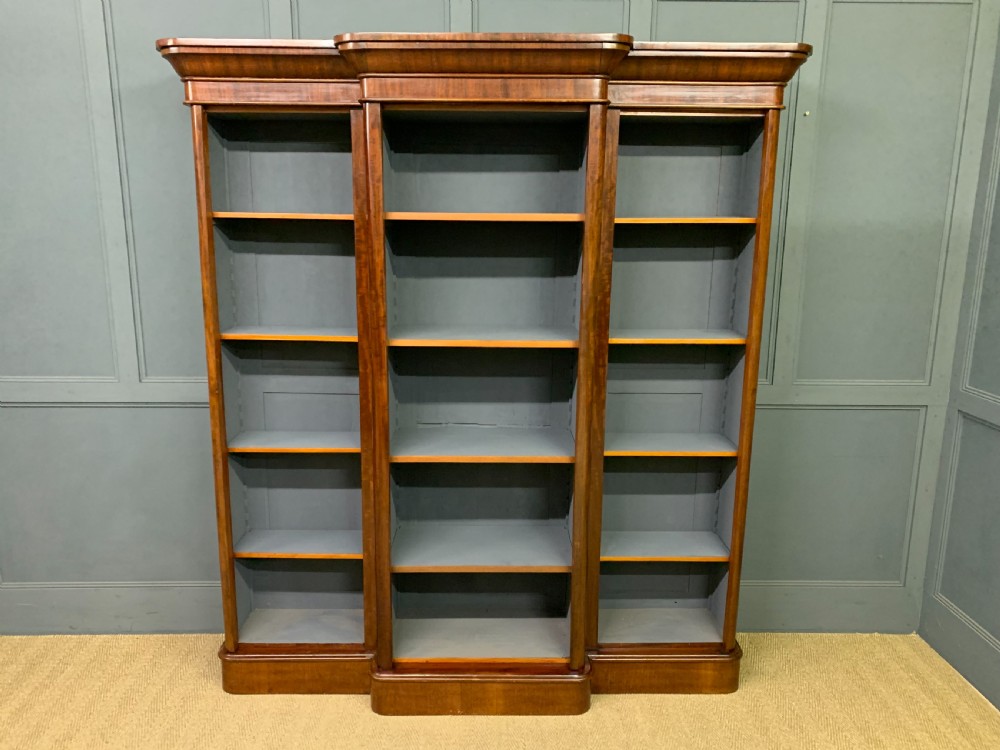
(295, 492)
(681, 494)
(503, 388)
(288, 164)
(476, 274)
(655, 583)
(671, 277)
(495, 163)
(489, 491)
(480, 595)
(677, 167)
(289, 386)
(670, 389)
(286, 273)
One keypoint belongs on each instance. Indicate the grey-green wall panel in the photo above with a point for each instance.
(172, 607)
(961, 608)
(154, 133)
(725, 20)
(971, 545)
(878, 203)
(106, 494)
(323, 19)
(831, 493)
(566, 16)
(55, 307)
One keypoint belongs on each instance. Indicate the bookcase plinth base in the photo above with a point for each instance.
(255, 673)
(406, 694)
(665, 673)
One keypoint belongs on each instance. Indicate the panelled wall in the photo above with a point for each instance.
(106, 519)
(961, 612)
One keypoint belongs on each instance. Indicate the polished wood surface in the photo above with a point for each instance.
(213, 356)
(665, 673)
(762, 240)
(318, 671)
(606, 76)
(480, 691)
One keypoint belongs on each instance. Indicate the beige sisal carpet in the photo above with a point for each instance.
(798, 692)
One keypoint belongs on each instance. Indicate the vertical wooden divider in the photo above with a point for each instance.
(592, 362)
(213, 355)
(751, 365)
(373, 349)
(601, 316)
(366, 374)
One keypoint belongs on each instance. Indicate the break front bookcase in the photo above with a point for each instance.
(483, 318)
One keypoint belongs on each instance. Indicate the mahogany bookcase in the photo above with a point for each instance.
(483, 318)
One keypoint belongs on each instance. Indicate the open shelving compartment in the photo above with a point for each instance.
(283, 279)
(471, 283)
(284, 165)
(300, 601)
(480, 616)
(681, 284)
(296, 506)
(697, 169)
(291, 397)
(673, 400)
(662, 602)
(457, 405)
(481, 555)
(527, 165)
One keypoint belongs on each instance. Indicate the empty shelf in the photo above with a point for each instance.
(457, 444)
(288, 333)
(521, 338)
(304, 626)
(677, 336)
(481, 547)
(478, 216)
(662, 546)
(667, 444)
(279, 215)
(685, 220)
(481, 638)
(275, 441)
(658, 621)
(326, 545)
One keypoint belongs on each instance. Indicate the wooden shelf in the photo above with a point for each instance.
(685, 220)
(461, 444)
(481, 638)
(303, 545)
(510, 338)
(477, 216)
(289, 333)
(662, 546)
(658, 621)
(668, 444)
(270, 215)
(278, 441)
(303, 626)
(481, 547)
(681, 337)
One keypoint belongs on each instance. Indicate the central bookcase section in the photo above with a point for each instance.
(282, 191)
(682, 267)
(483, 245)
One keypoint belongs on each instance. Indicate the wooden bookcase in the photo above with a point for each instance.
(482, 316)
